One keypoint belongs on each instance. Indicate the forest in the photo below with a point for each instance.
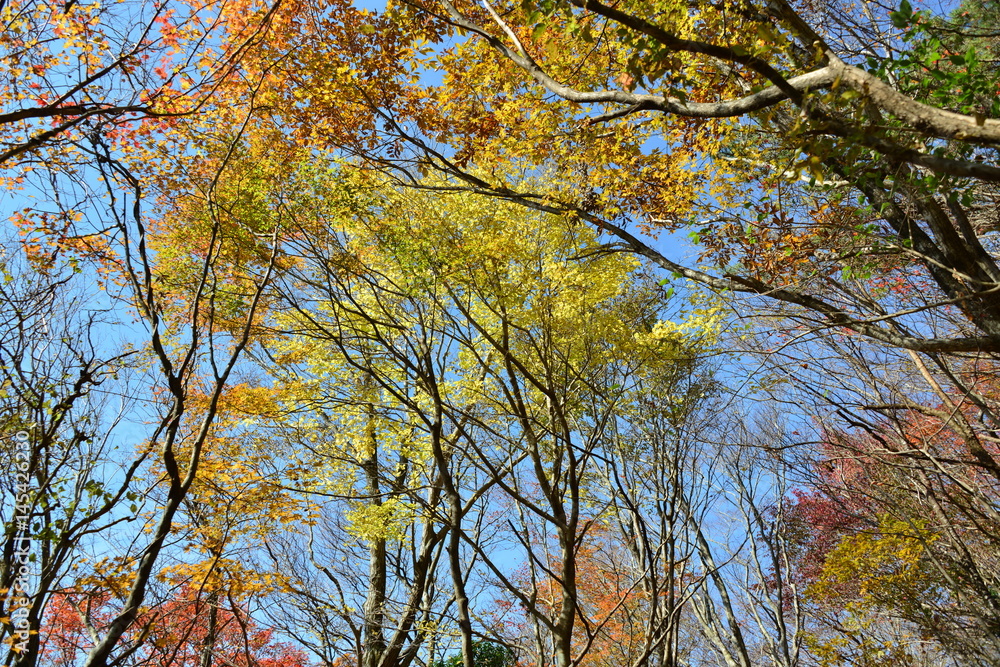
(500, 333)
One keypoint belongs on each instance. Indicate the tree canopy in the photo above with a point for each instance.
(560, 333)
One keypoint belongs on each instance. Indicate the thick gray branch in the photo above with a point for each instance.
(926, 119)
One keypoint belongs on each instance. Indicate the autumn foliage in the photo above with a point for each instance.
(560, 333)
(185, 631)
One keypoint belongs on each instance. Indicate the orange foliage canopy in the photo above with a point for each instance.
(174, 633)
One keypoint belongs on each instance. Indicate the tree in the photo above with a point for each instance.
(907, 539)
(192, 336)
(64, 485)
(458, 374)
(643, 116)
(484, 654)
(611, 72)
(76, 69)
(173, 633)
(487, 372)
